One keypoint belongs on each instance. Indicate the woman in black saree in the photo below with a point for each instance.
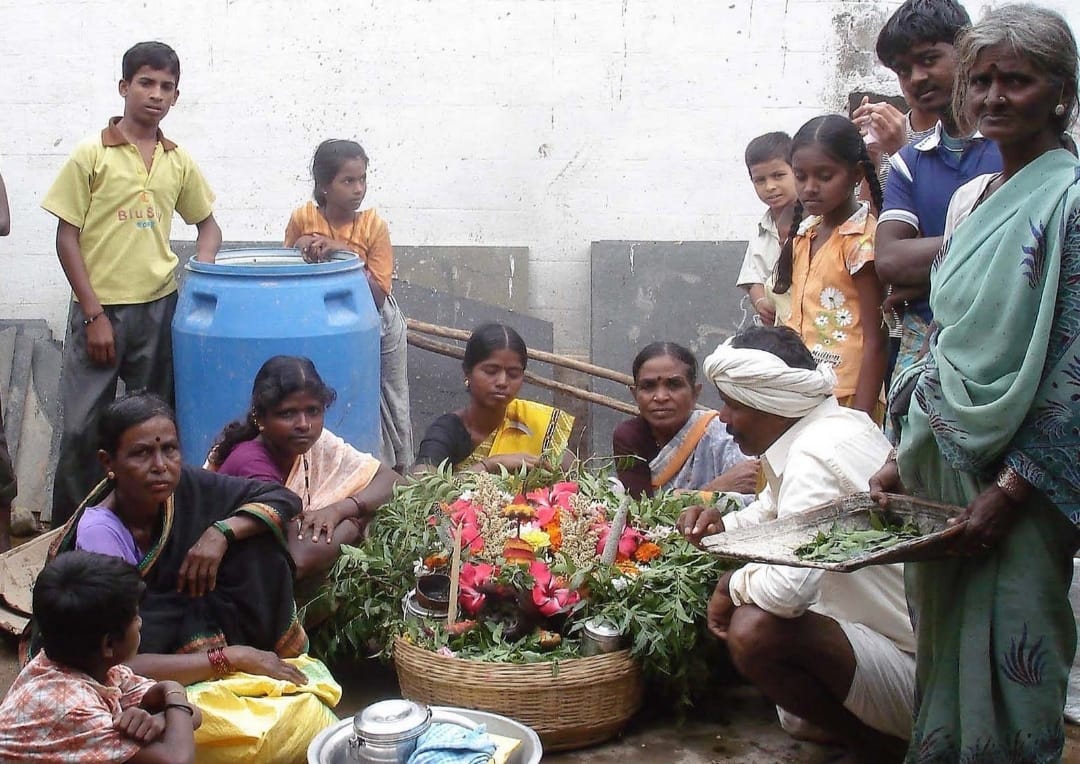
(210, 548)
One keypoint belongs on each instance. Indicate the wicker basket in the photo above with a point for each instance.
(571, 704)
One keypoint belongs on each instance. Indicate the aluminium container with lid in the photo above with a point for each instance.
(387, 732)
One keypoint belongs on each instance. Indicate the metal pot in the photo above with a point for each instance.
(386, 732)
(417, 613)
(600, 636)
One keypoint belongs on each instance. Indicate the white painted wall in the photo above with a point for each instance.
(538, 123)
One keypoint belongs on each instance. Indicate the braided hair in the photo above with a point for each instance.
(277, 379)
(841, 140)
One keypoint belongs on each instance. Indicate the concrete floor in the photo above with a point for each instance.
(736, 724)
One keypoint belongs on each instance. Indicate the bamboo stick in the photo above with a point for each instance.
(455, 576)
(453, 351)
(539, 355)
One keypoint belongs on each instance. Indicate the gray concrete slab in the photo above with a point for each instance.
(494, 275)
(647, 291)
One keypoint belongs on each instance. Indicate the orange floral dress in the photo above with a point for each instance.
(824, 301)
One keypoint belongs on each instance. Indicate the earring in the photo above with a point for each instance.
(110, 475)
(466, 384)
(1059, 110)
(261, 428)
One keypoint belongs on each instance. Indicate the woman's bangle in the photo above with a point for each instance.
(176, 692)
(361, 506)
(225, 530)
(759, 300)
(181, 706)
(1013, 484)
(218, 662)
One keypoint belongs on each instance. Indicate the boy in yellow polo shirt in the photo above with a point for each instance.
(115, 199)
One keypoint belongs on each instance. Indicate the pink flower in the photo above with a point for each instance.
(473, 577)
(629, 541)
(556, 496)
(463, 513)
(550, 593)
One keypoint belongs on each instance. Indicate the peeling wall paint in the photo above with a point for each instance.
(547, 124)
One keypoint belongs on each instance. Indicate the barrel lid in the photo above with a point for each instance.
(392, 721)
(276, 261)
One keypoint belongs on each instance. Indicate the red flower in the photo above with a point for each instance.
(550, 593)
(473, 576)
(629, 541)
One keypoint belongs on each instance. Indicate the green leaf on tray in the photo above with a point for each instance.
(841, 545)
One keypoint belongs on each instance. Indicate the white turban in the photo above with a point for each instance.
(762, 381)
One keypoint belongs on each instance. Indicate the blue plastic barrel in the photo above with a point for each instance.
(252, 304)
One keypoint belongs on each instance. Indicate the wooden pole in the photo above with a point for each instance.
(539, 355)
(453, 351)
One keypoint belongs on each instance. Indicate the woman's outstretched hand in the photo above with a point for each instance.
(885, 481)
(317, 524)
(510, 462)
(263, 663)
(742, 478)
(198, 571)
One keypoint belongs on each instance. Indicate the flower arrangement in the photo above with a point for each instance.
(532, 571)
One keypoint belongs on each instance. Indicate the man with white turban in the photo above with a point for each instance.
(834, 651)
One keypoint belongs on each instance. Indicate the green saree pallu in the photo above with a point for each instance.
(1000, 386)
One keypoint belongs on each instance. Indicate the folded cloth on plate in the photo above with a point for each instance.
(453, 744)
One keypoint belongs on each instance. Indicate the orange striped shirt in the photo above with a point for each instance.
(367, 236)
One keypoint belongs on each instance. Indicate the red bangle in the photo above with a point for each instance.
(218, 662)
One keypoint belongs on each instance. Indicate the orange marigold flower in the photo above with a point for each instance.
(518, 512)
(554, 533)
(647, 551)
(629, 567)
(437, 560)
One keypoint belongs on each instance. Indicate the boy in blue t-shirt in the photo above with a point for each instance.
(917, 43)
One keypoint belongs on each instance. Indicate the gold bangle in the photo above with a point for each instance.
(1013, 484)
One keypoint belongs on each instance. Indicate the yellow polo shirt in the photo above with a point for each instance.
(124, 212)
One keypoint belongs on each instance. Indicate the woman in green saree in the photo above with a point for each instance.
(989, 418)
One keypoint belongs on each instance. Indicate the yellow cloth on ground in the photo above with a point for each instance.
(255, 718)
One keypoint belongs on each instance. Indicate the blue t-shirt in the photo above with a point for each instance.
(923, 177)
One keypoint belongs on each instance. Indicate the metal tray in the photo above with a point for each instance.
(331, 746)
(774, 542)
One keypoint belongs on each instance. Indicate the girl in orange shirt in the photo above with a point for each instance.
(828, 260)
(334, 222)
